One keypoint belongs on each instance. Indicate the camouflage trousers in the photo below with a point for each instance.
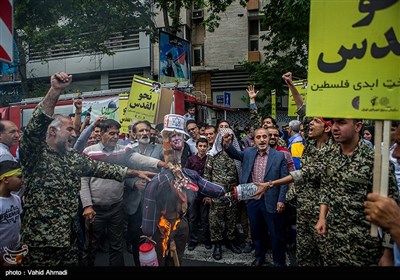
(223, 218)
(310, 247)
(351, 247)
(51, 256)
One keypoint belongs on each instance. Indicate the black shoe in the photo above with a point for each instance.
(291, 247)
(257, 262)
(192, 245)
(233, 247)
(217, 254)
(208, 245)
(247, 247)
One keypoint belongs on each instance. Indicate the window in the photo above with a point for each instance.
(184, 32)
(253, 35)
(253, 45)
(117, 41)
(197, 55)
(253, 27)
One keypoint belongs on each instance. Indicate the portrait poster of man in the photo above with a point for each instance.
(174, 59)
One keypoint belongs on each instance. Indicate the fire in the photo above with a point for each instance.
(18, 258)
(165, 227)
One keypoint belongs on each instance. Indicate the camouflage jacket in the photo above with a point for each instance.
(345, 183)
(52, 185)
(308, 193)
(221, 169)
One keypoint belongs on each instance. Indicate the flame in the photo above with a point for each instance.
(165, 227)
(18, 258)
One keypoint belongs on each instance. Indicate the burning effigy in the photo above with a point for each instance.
(168, 194)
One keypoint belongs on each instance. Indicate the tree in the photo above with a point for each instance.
(171, 10)
(86, 25)
(79, 25)
(287, 48)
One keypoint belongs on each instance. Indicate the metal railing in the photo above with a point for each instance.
(118, 41)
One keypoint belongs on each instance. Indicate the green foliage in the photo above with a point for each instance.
(212, 7)
(37, 88)
(85, 24)
(287, 47)
(76, 25)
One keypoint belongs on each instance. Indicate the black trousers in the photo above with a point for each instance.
(110, 217)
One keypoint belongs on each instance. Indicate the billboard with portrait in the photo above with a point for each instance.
(174, 59)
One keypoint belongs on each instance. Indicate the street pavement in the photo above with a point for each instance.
(201, 256)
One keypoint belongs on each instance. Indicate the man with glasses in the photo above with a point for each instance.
(193, 131)
(273, 134)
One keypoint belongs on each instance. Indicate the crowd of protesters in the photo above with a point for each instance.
(81, 185)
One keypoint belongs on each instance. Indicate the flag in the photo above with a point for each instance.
(182, 58)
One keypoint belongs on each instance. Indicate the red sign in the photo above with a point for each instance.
(6, 30)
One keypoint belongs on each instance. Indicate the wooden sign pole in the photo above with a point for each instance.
(385, 158)
(381, 162)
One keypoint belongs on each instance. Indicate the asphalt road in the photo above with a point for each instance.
(201, 256)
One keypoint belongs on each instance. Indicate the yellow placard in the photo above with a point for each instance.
(143, 100)
(354, 59)
(301, 86)
(123, 120)
(273, 104)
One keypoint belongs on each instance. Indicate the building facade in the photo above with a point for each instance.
(217, 77)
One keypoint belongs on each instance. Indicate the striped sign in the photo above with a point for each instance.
(6, 31)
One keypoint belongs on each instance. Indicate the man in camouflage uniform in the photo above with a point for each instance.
(348, 180)
(310, 245)
(346, 174)
(52, 172)
(222, 170)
